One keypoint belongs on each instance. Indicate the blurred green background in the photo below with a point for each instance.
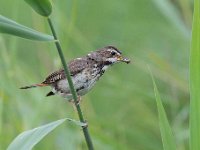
(121, 109)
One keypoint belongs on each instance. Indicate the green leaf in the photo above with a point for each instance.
(195, 80)
(166, 132)
(42, 7)
(9, 26)
(28, 139)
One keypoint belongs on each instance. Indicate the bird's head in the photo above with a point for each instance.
(108, 54)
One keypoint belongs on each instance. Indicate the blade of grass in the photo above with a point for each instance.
(28, 139)
(165, 129)
(195, 80)
(9, 26)
(42, 7)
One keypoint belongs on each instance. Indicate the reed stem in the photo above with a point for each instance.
(71, 86)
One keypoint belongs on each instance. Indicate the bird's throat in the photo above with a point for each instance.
(107, 63)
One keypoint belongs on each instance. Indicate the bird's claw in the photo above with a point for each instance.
(85, 124)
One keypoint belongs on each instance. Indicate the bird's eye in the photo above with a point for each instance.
(113, 53)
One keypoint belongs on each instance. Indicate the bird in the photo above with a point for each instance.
(84, 71)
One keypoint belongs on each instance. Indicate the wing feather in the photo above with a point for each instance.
(75, 66)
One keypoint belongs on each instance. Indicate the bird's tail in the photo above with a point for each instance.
(34, 85)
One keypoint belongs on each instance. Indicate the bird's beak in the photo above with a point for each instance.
(122, 59)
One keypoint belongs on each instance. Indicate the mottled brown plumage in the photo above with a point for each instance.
(75, 66)
(84, 71)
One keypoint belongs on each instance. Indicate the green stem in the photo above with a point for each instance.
(71, 86)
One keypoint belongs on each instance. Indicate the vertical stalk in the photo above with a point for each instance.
(71, 86)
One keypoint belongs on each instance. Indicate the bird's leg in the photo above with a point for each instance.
(78, 100)
(85, 124)
(73, 104)
(76, 103)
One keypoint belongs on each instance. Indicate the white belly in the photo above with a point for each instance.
(82, 84)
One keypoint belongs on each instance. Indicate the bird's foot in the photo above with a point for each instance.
(76, 103)
(78, 100)
(85, 124)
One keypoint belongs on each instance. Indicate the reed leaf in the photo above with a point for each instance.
(195, 80)
(28, 139)
(9, 26)
(42, 7)
(165, 129)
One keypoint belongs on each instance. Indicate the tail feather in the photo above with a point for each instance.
(34, 85)
(50, 93)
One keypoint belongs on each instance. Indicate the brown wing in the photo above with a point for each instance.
(75, 66)
(55, 76)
